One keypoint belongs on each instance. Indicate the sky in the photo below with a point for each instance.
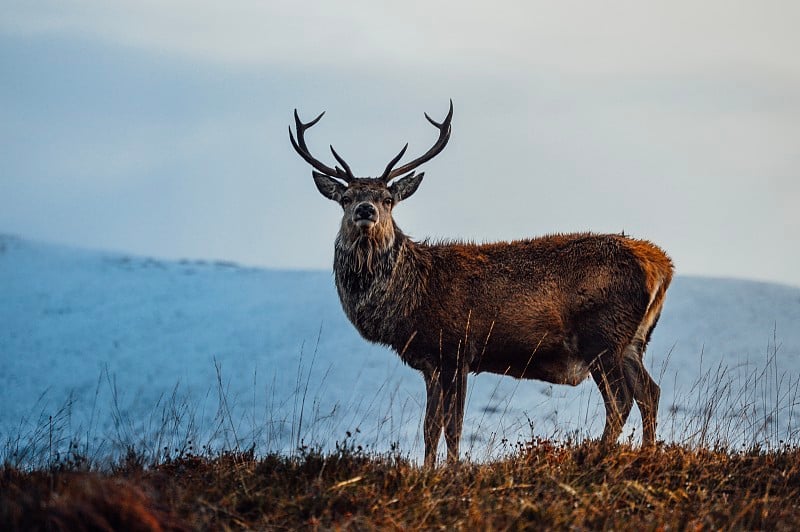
(160, 128)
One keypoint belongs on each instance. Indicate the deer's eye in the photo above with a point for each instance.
(388, 202)
(346, 200)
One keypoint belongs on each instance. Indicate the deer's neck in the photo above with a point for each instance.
(381, 282)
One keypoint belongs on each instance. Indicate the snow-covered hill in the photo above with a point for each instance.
(121, 349)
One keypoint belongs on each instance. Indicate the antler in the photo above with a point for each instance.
(300, 147)
(441, 142)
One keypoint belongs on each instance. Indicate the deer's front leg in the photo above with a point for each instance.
(434, 415)
(454, 393)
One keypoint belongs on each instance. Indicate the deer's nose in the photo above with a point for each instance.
(365, 211)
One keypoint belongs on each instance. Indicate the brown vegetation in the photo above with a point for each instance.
(542, 485)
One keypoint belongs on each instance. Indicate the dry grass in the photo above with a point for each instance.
(731, 471)
(542, 485)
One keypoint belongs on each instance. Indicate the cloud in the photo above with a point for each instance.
(160, 127)
(576, 37)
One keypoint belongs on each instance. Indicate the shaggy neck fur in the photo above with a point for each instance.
(366, 254)
(381, 277)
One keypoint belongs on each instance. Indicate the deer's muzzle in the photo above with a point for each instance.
(365, 214)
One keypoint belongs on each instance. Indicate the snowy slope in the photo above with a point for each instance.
(123, 349)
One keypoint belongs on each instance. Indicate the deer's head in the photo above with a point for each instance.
(367, 202)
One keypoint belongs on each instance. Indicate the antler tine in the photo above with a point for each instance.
(438, 146)
(301, 127)
(343, 163)
(385, 176)
(302, 150)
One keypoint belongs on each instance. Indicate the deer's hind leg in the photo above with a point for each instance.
(608, 373)
(645, 390)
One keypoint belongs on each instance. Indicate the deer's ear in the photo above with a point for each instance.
(328, 187)
(403, 188)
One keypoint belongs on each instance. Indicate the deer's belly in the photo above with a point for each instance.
(556, 367)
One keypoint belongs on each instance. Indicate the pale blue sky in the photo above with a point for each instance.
(160, 128)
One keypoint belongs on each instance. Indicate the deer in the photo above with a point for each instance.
(556, 308)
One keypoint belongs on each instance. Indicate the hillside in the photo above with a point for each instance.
(120, 349)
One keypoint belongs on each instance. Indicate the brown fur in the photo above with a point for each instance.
(557, 308)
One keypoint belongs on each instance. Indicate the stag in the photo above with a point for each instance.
(557, 308)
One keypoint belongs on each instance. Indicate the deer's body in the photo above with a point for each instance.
(557, 308)
(510, 308)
